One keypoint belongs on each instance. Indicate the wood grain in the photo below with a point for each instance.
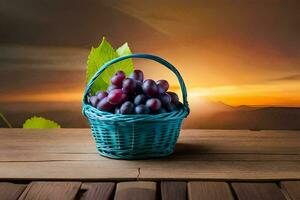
(209, 191)
(292, 188)
(258, 191)
(11, 191)
(173, 190)
(199, 154)
(219, 170)
(97, 191)
(68, 170)
(136, 191)
(50, 190)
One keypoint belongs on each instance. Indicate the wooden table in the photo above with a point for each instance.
(207, 164)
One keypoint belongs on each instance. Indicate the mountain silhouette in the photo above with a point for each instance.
(68, 115)
(252, 118)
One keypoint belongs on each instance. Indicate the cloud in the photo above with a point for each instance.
(287, 78)
(42, 57)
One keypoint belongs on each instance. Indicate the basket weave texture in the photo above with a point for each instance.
(136, 136)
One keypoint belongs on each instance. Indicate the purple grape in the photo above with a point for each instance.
(94, 100)
(89, 95)
(163, 86)
(115, 96)
(179, 106)
(150, 88)
(174, 98)
(118, 78)
(162, 110)
(140, 99)
(137, 75)
(129, 85)
(165, 98)
(170, 107)
(127, 108)
(139, 87)
(101, 95)
(117, 110)
(104, 105)
(153, 104)
(112, 87)
(141, 109)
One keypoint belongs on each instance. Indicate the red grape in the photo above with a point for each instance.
(127, 108)
(154, 104)
(112, 87)
(129, 85)
(115, 96)
(104, 105)
(150, 88)
(120, 73)
(137, 75)
(174, 98)
(163, 86)
(132, 95)
(118, 78)
(124, 97)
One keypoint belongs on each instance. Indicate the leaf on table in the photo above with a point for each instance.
(40, 123)
(99, 56)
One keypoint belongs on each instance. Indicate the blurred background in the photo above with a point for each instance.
(240, 59)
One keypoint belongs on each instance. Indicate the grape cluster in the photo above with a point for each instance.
(134, 95)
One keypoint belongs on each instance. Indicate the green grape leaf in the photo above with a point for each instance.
(40, 123)
(123, 50)
(125, 65)
(98, 57)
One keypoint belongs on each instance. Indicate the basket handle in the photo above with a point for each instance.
(146, 56)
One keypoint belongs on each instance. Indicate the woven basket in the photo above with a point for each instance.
(136, 136)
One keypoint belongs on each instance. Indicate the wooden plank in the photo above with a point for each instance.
(92, 157)
(136, 191)
(11, 191)
(97, 191)
(80, 140)
(258, 191)
(292, 188)
(209, 191)
(219, 170)
(199, 154)
(51, 190)
(173, 190)
(69, 170)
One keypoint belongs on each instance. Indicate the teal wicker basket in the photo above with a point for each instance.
(135, 136)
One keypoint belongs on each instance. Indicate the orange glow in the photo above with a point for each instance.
(279, 94)
(47, 97)
(275, 94)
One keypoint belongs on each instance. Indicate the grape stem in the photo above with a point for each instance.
(5, 120)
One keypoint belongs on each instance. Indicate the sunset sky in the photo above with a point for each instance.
(235, 52)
